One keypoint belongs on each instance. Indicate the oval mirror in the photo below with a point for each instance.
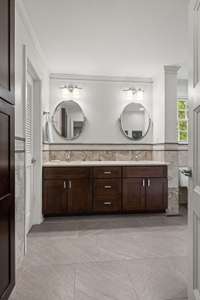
(68, 119)
(135, 121)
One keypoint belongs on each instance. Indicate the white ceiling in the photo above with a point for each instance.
(110, 37)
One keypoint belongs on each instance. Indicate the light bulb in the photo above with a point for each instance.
(129, 94)
(65, 92)
(140, 95)
(76, 92)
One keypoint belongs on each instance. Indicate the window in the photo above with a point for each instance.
(182, 116)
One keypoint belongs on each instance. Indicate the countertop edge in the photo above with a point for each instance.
(105, 163)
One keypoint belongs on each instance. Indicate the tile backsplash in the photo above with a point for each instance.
(118, 155)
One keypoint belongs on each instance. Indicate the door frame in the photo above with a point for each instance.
(194, 110)
(31, 69)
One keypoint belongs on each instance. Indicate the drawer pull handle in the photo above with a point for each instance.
(149, 182)
(64, 184)
(107, 186)
(107, 203)
(143, 183)
(107, 172)
(70, 184)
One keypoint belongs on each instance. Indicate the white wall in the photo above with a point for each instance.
(24, 36)
(182, 90)
(158, 109)
(102, 102)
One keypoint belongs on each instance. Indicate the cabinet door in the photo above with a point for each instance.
(55, 197)
(156, 194)
(7, 201)
(7, 29)
(79, 196)
(133, 194)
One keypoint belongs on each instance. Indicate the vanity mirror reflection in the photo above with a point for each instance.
(135, 121)
(68, 119)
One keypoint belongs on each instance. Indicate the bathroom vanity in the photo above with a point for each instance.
(75, 188)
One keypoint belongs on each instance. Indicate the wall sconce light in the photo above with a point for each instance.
(140, 95)
(130, 92)
(71, 90)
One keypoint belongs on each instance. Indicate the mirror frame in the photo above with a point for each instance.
(53, 122)
(121, 123)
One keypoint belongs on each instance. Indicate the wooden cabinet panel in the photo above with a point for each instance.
(7, 180)
(7, 201)
(5, 245)
(145, 171)
(7, 21)
(133, 194)
(4, 154)
(80, 200)
(55, 197)
(107, 172)
(156, 194)
(107, 195)
(66, 172)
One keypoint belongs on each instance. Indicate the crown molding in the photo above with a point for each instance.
(80, 77)
(173, 69)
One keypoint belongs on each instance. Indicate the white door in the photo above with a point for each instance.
(29, 151)
(194, 153)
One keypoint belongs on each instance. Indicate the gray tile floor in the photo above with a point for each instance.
(137, 257)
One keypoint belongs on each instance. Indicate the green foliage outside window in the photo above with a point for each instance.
(182, 116)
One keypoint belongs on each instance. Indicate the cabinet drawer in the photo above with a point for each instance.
(107, 188)
(103, 205)
(146, 171)
(107, 195)
(66, 172)
(107, 172)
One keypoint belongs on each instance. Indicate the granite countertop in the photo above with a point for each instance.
(58, 163)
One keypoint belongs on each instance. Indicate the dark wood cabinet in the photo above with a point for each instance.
(7, 29)
(156, 194)
(104, 190)
(145, 172)
(107, 195)
(107, 172)
(133, 194)
(145, 188)
(79, 191)
(7, 198)
(66, 191)
(55, 197)
(7, 204)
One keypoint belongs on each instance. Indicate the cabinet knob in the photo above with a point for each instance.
(107, 186)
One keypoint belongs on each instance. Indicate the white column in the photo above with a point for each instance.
(165, 129)
(170, 94)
